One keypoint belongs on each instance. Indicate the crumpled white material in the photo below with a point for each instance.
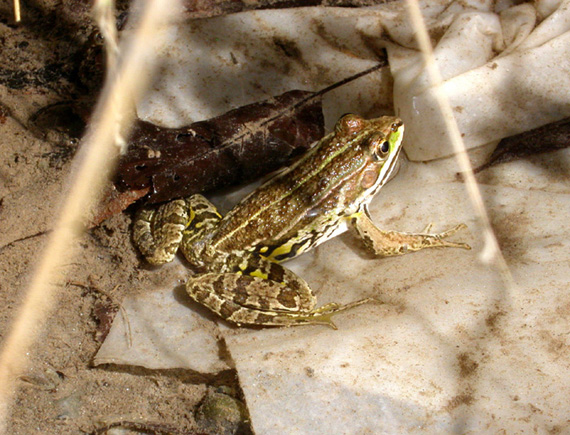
(502, 77)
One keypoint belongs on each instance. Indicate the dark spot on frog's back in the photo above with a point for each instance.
(286, 297)
(322, 184)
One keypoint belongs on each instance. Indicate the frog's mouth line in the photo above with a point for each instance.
(392, 170)
(397, 164)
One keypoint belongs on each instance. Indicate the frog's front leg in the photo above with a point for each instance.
(390, 243)
(264, 293)
(160, 232)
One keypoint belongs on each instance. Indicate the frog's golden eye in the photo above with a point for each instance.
(380, 147)
(349, 124)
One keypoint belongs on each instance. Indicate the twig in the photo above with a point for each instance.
(21, 239)
(381, 64)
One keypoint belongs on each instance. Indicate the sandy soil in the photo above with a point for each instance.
(60, 391)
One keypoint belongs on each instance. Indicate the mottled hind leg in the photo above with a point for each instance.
(263, 293)
(159, 232)
(390, 243)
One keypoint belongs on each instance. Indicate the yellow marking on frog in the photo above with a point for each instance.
(281, 250)
(259, 274)
(355, 215)
(191, 217)
(263, 249)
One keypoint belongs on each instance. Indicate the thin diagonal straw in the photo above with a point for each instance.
(95, 158)
(17, 16)
(491, 250)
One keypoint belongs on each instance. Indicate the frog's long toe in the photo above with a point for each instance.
(438, 241)
(322, 315)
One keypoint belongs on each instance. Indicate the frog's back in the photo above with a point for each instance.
(303, 202)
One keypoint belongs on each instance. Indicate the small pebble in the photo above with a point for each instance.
(222, 414)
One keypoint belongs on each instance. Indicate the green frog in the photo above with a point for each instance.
(238, 257)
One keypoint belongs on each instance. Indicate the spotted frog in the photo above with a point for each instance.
(238, 257)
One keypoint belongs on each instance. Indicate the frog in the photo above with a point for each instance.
(237, 258)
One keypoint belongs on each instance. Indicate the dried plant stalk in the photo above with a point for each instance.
(97, 156)
(17, 17)
(491, 250)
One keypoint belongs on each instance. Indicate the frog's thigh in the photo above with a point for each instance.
(249, 299)
(390, 243)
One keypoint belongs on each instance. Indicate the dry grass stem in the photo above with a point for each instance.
(491, 250)
(104, 15)
(96, 157)
(17, 16)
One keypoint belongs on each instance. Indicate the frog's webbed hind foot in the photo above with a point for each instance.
(322, 315)
(435, 240)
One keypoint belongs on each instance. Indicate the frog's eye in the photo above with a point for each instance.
(349, 124)
(380, 147)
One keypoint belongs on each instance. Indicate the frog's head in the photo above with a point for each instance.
(379, 144)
